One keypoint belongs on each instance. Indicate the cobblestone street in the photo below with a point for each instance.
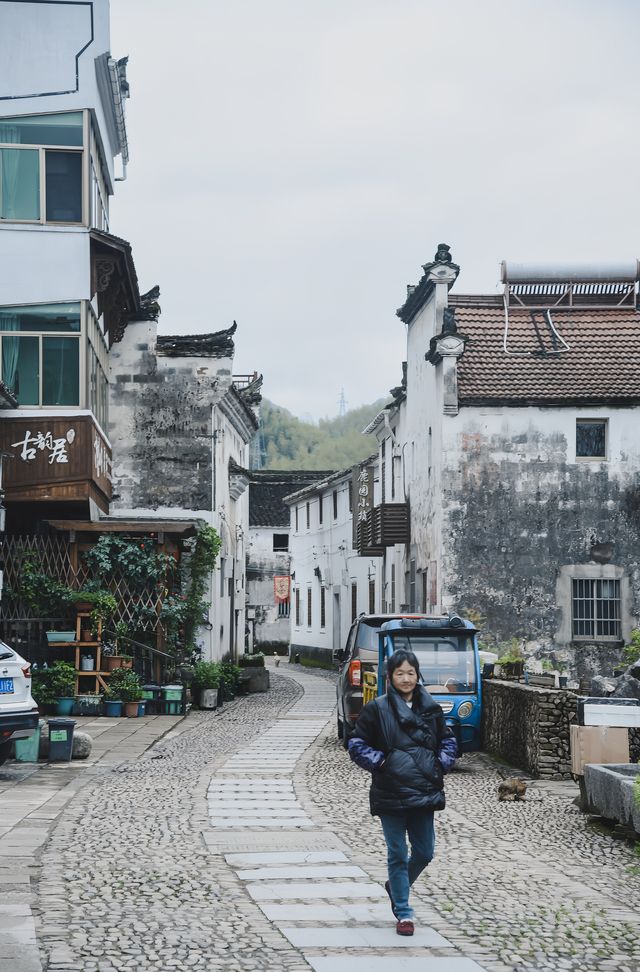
(242, 841)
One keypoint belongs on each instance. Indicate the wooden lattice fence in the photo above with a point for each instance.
(138, 607)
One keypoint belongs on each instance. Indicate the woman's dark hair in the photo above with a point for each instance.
(399, 656)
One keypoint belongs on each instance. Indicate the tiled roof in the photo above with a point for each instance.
(595, 359)
(267, 490)
(217, 345)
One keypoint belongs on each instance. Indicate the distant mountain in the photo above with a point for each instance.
(286, 442)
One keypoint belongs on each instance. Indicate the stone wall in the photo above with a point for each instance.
(529, 727)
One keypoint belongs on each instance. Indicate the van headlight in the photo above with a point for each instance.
(465, 710)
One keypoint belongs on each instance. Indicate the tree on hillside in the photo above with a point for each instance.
(288, 443)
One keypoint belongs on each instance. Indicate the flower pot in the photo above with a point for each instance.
(142, 707)
(64, 707)
(131, 710)
(113, 662)
(55, 636)
(113, 709)
(86, 663)
(208, 698)
(126, 662)
(86, 634)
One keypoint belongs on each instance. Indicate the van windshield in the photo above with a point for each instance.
(446, 664)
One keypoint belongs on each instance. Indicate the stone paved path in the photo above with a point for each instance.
(321, 902)
(244, 843)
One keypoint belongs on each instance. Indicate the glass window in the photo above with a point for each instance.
(21, 368)
(280, 541)
(64, 187)
(20, 168)
(60, 371)
(591, 439)
(19, 184)
(446, 665)
(41, 317)
(596, 609)
(63, 129)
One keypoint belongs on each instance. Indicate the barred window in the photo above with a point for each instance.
(283, 609)
(596, 610)
(309, 596)
(323, 607)
(297, 607)
(354, 601)
(372, 597)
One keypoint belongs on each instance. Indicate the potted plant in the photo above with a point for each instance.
(63, 686)
(130, 692)
(206, 682)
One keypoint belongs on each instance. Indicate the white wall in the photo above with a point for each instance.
(39, 43)
(263, 565)
(328, 547)
(43, 265)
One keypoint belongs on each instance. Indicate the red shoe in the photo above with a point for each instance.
(404, 927)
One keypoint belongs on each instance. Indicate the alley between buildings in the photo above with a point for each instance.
(242, 841)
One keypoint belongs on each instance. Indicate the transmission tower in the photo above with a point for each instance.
(342, 405)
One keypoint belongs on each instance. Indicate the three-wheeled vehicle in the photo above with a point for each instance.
(447, 651)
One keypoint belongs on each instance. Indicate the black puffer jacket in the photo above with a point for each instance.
(410, 740)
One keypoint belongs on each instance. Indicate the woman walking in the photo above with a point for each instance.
(401, 738)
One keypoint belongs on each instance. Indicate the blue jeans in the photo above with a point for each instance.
(403, 870)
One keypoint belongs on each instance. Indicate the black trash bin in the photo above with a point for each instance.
(152, 694)
(61, 740)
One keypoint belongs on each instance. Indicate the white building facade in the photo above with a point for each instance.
(331, 582)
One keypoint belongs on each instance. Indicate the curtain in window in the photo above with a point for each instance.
(10, 349)
(8, 172)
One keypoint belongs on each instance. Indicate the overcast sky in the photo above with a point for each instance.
(294, 162)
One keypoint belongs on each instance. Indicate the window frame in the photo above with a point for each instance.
(309, 606)
(567, 573)
(280, 549)
(578, 585)
(79, 336)
(42, 149)
(593, 421)
(323, 607)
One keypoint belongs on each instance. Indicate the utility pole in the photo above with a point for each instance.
(342, 405)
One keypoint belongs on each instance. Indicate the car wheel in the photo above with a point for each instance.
(340, 727)
(5, 752)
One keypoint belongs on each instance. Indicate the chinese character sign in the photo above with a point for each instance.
(35, 442)
(362, 492)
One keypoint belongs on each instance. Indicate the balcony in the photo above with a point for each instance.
(390, 524)
(363, 538)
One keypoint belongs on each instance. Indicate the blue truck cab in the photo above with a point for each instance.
(447, 651)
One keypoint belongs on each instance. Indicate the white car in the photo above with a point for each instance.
(18, 712)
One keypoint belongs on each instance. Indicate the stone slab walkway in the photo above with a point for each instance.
(326, 906)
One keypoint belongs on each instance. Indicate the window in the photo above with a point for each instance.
(283, 609)
(297, 607)
(383, 471)
(41, 368)
(424, 591)
(335, 504)
(323, 607)
(596, 609)
(320, 510)
(591, 439)
(297, 525)
(309, 596)
(393, 588)
(308, 511)
(280, 542)
(41, 168)
(354, 601)
(222, 577)
(412, 585)
(372, 597)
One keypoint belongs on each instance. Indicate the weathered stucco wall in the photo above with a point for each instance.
(160, 424)
(529, 727)
(518, 507)
(263, 564)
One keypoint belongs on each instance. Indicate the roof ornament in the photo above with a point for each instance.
(449, 324)
(441, 259)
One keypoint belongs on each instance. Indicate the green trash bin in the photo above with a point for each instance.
(27, 749)
(61, 740)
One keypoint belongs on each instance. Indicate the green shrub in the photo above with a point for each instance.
(206, 675)
(631, 652)
(124, 686)
(251, 661)
(56, 682)
(229, 676)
